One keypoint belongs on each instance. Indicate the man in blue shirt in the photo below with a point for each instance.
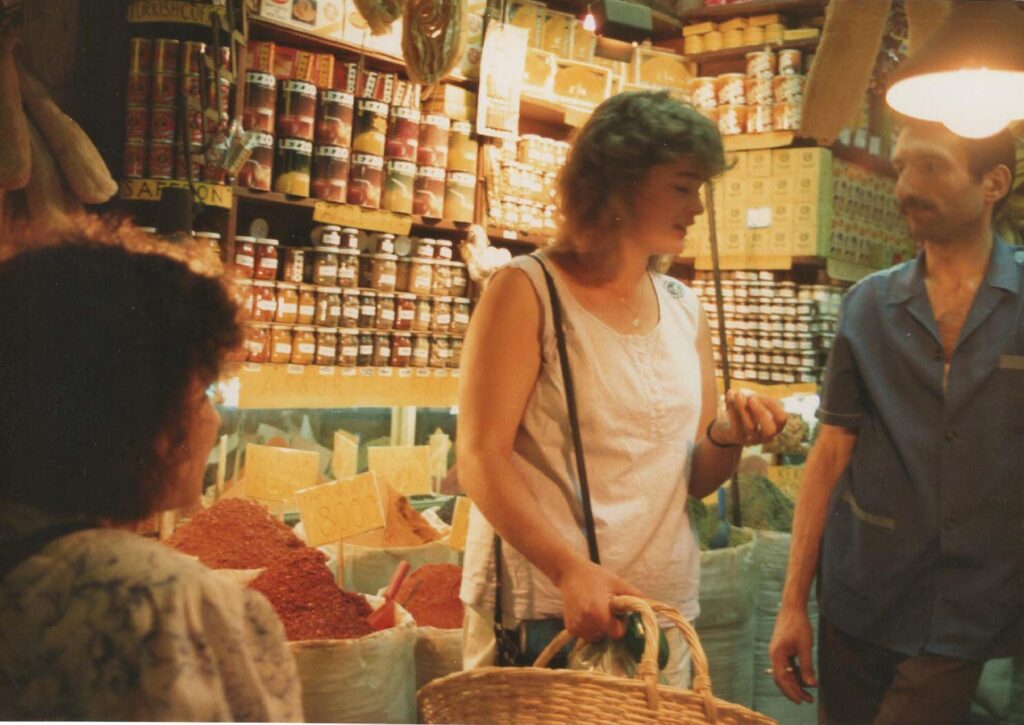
(911, 509)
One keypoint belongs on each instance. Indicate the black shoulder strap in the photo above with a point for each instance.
(14, 555)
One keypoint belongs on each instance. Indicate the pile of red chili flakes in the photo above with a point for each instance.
(431, 595)
(303, 593)
(235, 533)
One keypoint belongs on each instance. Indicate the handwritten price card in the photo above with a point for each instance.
(341, 509)
(275, 474)
(405, 468)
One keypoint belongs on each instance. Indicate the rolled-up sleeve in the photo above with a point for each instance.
(842, 397)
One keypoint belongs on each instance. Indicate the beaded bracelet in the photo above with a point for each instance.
(716, 444)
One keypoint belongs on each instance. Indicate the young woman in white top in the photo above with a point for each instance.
(640, 351)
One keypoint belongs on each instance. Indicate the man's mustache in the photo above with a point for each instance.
(915, 203)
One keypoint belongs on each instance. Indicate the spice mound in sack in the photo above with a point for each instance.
(431, 596)
(302, 591)
(404, 526)
(235, 533)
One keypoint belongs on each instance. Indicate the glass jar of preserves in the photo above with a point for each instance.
(424, 315)
(264, 304)
(386, 244)
(442, 314)
(326, 346)
(293, 264)
(244, 298)
(350, 306)
(244, 263)
(350, 239)
(405, 310)
(365, 356)
(280, 344)
(348, 347)
(348, 268)
(325, 266)
(456, 358)
(425, 248)
(303, 345)
(401, 349)
(384, 272)
(421, 276)
(257, 343)
(212, 240)
(460, 314)
(385, 319)
(442, 281)
(403, 268)
(266, 259)
(307, 304)
(367, 309)
(444, 249)
(287, 303)
(327, 235)
(459, 279)
(328, 306)
(420, 351)
(381, 349)
(440, 351)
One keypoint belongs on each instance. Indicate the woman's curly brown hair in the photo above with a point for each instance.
(101, 345)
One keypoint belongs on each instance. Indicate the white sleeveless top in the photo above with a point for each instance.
(639, 402)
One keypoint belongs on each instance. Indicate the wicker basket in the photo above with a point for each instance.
(526, 695)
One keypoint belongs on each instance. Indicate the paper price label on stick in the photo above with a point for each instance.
(405, 468)
(340, 509)
(460, 524)
(346, 454)
(275, 474)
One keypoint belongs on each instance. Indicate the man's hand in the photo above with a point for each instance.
(587, 590)
(793, 640)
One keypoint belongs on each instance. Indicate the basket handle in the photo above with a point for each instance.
(648, 669)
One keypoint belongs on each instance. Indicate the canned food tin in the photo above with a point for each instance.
(138, 87)
(462, 148)
(759, 119)
(428, 198)
(459, 196)
(366, 179)
(162, 123)
(433, 144)
(192, 56)
(790, 62)
(761, 64)
(135, 159)
(403, 134)
(258, 169)
(788, 88)
(703, 93)
(136, 124)
(165, 55)
(140, 55)
(732, 120)
(165, 89)
(334, 127)
(260, 94)
(296, 110)
(161, 160)
(292, 164)
(182, 160)
(330, 173)
(786, 116)
(758, 91)
(398, 186)
(369, 128)
(730, 89)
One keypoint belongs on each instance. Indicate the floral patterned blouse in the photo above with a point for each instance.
(104, 624)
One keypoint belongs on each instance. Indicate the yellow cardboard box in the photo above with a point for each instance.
(662, 69)
(759, 191)
(759, 163)
(539, 72)
(781, 188)
(558, 34)
(583, 42)
(581, 83)
(529, 15)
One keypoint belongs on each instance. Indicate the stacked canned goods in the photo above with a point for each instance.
(777, 331)
(369, 305)
(177, 110)
(521, 183)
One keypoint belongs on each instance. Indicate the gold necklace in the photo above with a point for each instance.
(635, 312)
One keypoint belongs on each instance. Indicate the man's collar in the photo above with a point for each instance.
(1003, 272)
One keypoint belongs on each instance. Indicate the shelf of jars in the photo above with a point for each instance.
(283, 385)
(676, 45)
(722, 11)
(518, 237)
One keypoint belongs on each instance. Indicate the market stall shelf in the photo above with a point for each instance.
(219, 195)
(754, 7)
(255, 386)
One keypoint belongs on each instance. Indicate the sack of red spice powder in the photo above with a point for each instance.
(431, 595)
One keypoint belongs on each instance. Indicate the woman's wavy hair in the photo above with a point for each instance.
(100, 347)
(625, 136)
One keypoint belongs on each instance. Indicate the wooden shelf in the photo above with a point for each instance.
(754, 7)
(272, 197)
(802, 261)
(512, 237)
(676, 45)
(552, 112)
(252, 386)
(149, 190)
(755, 141)
(173, 11)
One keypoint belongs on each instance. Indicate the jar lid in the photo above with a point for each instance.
(385, 257)
(304, 328)
(440, 337)
(246, 240)
(331, 290)
(349, 230)
(443, 299)
(346, 252)
(263, 283)
(405, 296)
(351, 292)
(327, 250)
(287, 285)
(463, 300)
(271, 242)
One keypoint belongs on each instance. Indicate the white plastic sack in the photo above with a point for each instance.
(367, 680)
(728, 586)
(438, 653)
(369, 570)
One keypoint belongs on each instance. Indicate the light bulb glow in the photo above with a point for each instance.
(970, 102)
(589, 24)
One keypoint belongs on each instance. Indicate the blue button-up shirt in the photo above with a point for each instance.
(924, 540)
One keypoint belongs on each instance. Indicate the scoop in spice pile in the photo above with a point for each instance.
(431, 595)
(310, 605)
(235, 533)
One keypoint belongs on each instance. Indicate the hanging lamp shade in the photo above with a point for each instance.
(969, 73)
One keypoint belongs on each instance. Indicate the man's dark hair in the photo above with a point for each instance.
(984, 154)
(99, 347)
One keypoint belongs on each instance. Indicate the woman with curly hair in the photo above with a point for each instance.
(640, 354)
(105, 360)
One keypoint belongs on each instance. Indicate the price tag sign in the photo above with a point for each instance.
(460, 524)
(346, 452)
(340, 509)
(275, 474)
(405, 468)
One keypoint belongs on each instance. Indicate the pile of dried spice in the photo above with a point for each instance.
(235, 533)
(431, 596)
(303, 593)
